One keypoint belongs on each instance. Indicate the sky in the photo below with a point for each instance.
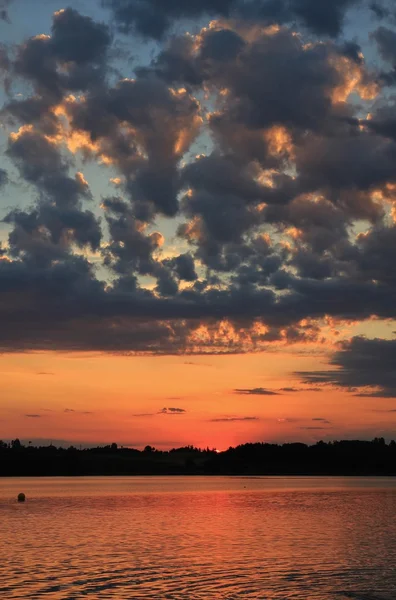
(197, 221)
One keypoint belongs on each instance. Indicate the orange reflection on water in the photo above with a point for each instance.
(197, 538)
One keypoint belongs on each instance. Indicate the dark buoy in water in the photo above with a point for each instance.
(21, 497)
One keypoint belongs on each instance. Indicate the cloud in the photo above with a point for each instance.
(263, 189)
(313, 428)
(322, 420)
(172, 411)
(153, 19)
(79, 412)
(144, 415)
(294, 389)
(143, 126)
(4, 6)
(3, 178)
(233, 419)
(256, 392)
(77, 43)
(386, 39)
(367, 365)
(33, 416)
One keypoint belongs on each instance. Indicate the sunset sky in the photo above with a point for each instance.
(197, 221)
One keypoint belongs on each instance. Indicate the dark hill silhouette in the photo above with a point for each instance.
(374, 457)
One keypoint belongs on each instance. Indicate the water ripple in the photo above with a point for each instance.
(220, 543)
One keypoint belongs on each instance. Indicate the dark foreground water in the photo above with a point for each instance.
(198, 538)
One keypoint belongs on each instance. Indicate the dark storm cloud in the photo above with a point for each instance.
(261, 76)
(337, 159)
(4, 59)
(162, 123)
(386, 40)
(61, 303)
(383, 121)
(224, 175)
(225, 218)
(153, 18)
(339, 297)
(130, 248)
(46, 231)
(354, 163)
(77, 43)
(282, 62)
(375, 250)
(4, 6)
(184, 267)
(3, 178)
(268, 216)
(380, 9)
(41, 163)
(256, 392)
(46, 234)
(361, 363)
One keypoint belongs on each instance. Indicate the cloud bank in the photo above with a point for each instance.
(253, 170)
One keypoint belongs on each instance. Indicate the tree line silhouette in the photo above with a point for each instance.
(344, 457)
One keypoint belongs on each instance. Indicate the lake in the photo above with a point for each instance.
(198, 538)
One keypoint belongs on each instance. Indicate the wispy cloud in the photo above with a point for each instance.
(163, 411)
(144, 415)
(190, 363)
(314, 428)
(33, 416)
(233, 419)
(256, 392)
(172, 411)
(294, 389)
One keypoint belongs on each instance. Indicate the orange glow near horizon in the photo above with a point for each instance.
(99, 399)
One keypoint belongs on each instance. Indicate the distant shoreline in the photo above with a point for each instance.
(373, 458)
(207, 475)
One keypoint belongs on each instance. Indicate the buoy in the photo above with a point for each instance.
(21, 497)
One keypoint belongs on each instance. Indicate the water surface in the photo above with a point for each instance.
(198, 538)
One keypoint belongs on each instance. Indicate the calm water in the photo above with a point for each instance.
(198, 538)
